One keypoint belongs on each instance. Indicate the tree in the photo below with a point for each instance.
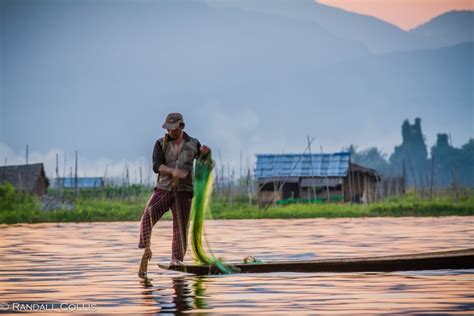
(411, 154)
(371, 158)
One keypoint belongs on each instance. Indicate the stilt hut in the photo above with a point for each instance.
(29, 178)
(286, 178)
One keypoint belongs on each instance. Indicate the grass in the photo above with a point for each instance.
(17, 207)
(391, 207)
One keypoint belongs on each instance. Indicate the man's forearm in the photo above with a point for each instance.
(163, 169)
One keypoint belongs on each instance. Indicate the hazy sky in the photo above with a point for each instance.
(406, 14)
(100, 76)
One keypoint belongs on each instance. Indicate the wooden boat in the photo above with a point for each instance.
(455, 259)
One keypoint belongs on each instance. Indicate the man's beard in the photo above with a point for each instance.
(173, 138)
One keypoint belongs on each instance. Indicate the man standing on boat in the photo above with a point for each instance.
(173, 159)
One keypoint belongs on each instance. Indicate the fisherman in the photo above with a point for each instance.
(173, 159)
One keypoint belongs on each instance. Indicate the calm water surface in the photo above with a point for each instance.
(93, 266)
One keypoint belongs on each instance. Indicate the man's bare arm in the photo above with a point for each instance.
(174, 172)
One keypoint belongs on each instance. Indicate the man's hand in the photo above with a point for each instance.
(175, 173)
(179, 174)
(205, 150)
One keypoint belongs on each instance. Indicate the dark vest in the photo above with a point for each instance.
(184, 159)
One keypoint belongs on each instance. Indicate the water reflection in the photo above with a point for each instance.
(189, 294)
(200, 293)
(97, 263)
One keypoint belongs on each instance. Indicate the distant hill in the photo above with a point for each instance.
(143, 53)
(449, 29)
(404, 81)
(257, 79)
(377, 35)
(364, 95)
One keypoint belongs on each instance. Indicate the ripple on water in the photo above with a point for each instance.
(96, 263)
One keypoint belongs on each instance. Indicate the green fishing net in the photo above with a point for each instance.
(203, 182)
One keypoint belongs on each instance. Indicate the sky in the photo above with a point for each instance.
(100, 77)
(406, 14)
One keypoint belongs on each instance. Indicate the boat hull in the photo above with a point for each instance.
(456, 259)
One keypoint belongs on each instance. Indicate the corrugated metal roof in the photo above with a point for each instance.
(302, 165)
(86, 182)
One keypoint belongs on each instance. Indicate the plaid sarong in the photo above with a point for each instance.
(159, 203)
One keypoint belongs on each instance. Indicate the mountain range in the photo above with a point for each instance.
(249, 69)
(450, 28)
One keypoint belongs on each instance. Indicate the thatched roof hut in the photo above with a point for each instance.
(30, 178)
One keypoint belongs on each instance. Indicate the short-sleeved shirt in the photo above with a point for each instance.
(189, 150)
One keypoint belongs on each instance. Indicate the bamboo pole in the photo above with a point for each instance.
(105, 174)
(249, 193)
(350, 182)
(311, 173)
(327, 186)
(27, 171)
(456, 183)
(57, 175)
(75, 175)
(422, 185)
(359, 189)
(432, 177)
(141, 176)
(413, 175)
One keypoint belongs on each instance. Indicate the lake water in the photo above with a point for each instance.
(92, 268)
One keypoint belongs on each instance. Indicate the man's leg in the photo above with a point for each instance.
(159, 203)
(181, 208)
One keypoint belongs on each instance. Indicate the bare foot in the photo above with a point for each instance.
(176, 262)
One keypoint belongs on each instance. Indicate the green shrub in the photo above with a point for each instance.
(18, 207)
(12, 200)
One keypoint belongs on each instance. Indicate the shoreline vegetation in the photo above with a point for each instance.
(126, 204)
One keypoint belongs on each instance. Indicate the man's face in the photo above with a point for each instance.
(175, 133)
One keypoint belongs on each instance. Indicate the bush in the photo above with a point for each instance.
(12, 200)
(7, 196)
